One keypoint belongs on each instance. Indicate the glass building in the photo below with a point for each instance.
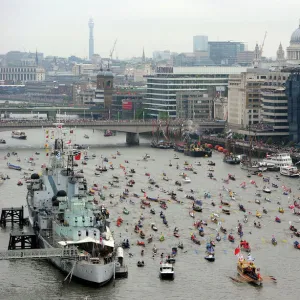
(293, 95)
(225, 53)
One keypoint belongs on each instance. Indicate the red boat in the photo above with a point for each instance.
(164, 206)
(176, 234)
(146, 203)
(139, 243)
(119, 221)
(194, 239)
(245, 245)
(231, 238)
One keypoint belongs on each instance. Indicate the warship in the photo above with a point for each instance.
(65, 216)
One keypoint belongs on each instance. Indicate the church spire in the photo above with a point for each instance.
(280, 53)
(36, 58)
(143, 56)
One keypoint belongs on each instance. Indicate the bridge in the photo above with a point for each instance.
(130, 127)
(70, 253)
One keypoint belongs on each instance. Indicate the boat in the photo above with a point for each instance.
(14, 167)
(86, 136)
(59, 205)
(211, 163)
(244, 245)
(231, 159)
(166, 271)
(140, 263)
(186, 180)
(248, 271)
(274, 241)
(17, 134)
(195, 150)
(153, 227)
(278, 160)
(2, 141)
(210, 258)
(289, 171)
(108, 133)
(267, 190)
(192, 214)
(231, 238)
(179, 147)
(226, 211)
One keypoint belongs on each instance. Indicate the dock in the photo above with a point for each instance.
(21, 239)
(13, 215)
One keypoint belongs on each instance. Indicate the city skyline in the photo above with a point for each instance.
(60, 28)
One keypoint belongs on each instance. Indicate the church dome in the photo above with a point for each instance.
(295, 38)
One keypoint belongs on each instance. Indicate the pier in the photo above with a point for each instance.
(14, 215)
(19, 239)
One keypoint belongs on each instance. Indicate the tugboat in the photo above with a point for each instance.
(17, 134)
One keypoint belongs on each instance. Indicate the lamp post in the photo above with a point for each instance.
(118, 115)
(143, 116)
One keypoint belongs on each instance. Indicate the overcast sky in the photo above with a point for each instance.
(60, 27)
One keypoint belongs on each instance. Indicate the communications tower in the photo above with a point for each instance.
(91, 39)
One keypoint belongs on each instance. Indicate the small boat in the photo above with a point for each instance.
(176, 234)
(153, 227)
(266, 190)
(242, 208)
(86, 136)
(14, 167)
(146, 203)
(281, 210)
(126, 244)
(186, 180)
(20, 183)
(125, 211)
(163, 206)
(195, 240)
(257, 225)
(192, 214)
(257, 201)
(166, 271)
(226, 211)
(277, 220)
(223, 230)
(2, 141)
(171, 260)
(140, 243)
(180, 245)
(210, 258)
(231, 238)
(296, 245)
(274, 242)
(244, 245)
(152, 211)
(292, 228)
(142, 234)
(231, 177)
(258, 215)
(140, 264)
(162, 238)
(211, 163)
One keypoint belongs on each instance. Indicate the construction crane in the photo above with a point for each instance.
(111, 52)
(262, 45)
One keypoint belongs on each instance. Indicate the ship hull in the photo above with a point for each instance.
(20, 137)
(93, 274)
(198, 153)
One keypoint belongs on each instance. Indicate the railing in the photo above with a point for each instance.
(39, 253)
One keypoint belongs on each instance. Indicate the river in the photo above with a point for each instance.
(195, 278)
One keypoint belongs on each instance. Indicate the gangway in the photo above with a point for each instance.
(70, 253)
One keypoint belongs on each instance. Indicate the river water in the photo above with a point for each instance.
(195, 278)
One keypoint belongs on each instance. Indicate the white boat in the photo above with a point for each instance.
(17, 134)
(289, 171)
(266, 190)
(279, 159)
(166, 271)
(175, 157)
(186, 180)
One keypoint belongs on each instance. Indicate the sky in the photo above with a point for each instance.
(60, 27)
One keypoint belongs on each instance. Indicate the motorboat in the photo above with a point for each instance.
(86, 136)
(289, 171)
(2, 141)
(153, 227)
(210, 258)
(17, 134)
(267, 190)
(166, 271)
(186, 180)
(14, 167)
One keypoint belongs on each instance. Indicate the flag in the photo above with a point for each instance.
(69, 142)
(237, 251)
(77, 156)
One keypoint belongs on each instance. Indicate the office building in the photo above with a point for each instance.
(275, 104)
(200, 43)
(225, 53)
(104, 89)
(162, 87)
(293, 95)
(161, 55)
(194, 105)
(245, 58)
(22, 74)
(244, 103)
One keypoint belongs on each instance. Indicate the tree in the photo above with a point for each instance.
(163, 115)
(291, 144)
(141, 113)
(269, 141)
